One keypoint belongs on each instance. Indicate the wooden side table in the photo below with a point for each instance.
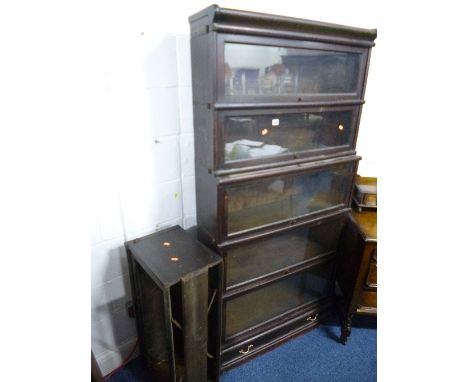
(357, 269)
(176, 287)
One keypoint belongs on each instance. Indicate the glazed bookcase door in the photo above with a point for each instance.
(262, 305)
(259, 259)
(256, 69)
(253, 137)
(282, 199)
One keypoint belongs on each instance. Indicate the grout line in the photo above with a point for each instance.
(179, 96)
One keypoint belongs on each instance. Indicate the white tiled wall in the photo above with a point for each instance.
(143, 178)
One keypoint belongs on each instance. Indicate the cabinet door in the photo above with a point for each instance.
(256, 69)
(261, 305)
(266, 136)
(260, 203)
(274, 255)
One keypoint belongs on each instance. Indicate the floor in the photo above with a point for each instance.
(315, 356)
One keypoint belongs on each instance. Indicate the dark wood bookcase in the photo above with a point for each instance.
(276, 103)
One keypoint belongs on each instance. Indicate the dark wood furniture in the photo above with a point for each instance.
(276, 104)
(365, 193)
(357, 269)
(176, 284)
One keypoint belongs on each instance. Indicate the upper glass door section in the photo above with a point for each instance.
(259, 136)
(261, 72)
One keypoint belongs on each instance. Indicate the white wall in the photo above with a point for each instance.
(142, 157)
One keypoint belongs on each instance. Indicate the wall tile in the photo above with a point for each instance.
(146, 113)
(153, 229)
(151, 205)
(120, 292)
(95, 232)
(185, 100)
(190, 221)
(108, 261)
(186, 124)
(111, 331)
(100, 302)
(109, 360)
(150, 162)
(183, 59)
(159, 59)
(189, 196)
(187, 155)
(163, 111)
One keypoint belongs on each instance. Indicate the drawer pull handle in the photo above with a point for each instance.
(249, 348)
(310, 318)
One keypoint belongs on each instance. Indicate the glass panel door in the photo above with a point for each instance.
(264, 256)
(249, 136)
(265, 303)
(260, 202)
(262, 70)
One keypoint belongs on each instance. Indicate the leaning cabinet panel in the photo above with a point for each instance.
(277, 103)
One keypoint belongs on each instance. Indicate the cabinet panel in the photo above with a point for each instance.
(251, 137)
(262, 257)
(263, 69)
(262, 202)
(265, 303)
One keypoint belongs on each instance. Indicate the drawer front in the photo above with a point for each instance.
(275, 253)
(254, 137)
(254, 69)
(246, 312)
(371, 281)
(232, 355)
(271, 200)
(368, 300)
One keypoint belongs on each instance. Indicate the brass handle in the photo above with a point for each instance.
(246, 351)
(310, 318)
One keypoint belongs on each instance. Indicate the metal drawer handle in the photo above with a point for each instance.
(249, 348)
(310, 318)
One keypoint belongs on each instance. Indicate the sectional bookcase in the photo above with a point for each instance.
(276, 103)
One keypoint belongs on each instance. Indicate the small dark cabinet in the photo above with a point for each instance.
(176, 286)
(276, 104)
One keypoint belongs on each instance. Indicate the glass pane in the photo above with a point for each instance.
(270, 70)
(269, 135)
(265, 303)
(267, 255)
(259, 202)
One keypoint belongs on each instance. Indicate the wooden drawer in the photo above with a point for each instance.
(251, 347)
(371, 281)
(368, 300)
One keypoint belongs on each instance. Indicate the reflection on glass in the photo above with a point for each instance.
(268, 70)
(267, 255)
(259, 202)
(265, 303)
(268, 135)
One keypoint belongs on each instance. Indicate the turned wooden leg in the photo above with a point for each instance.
(346, 329)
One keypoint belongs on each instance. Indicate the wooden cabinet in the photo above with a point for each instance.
(176, 287)
(357, 268)
(276, 105)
